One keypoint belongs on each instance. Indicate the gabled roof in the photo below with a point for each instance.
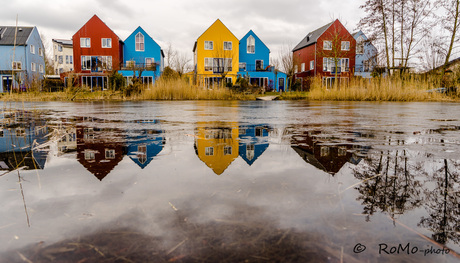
(252, 33)
(217, 21)
(7, 34)
(312, 37)
(65, 42)
(95, 17)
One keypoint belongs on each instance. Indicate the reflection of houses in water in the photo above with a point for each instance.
(321, 151)
(68, 141)
(217, 145)
(253, 141)
(20, 133)
(99, 150)
(144, 145)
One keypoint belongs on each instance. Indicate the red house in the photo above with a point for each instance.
(97, 50)
(328, 52)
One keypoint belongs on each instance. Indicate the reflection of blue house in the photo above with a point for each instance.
(18, 144)
(142, 54)
(144, 145)
(254, 57)
(366, 55)
(253, 141)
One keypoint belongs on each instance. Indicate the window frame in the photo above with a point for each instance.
(228, 43)
(108, 42)
(327, 45)
(139, 41)
(345, 45)
(251, 45)
(32, 49)
(208, 45)
(85, 42)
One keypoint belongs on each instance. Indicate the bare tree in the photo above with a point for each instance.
(223, 58)
(181, 63)
(451, 22)
(170, 54)
(286, 62)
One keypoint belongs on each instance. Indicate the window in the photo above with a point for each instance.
(242, 66)
(312, 65)
(209, 151)
(295, 69)
(324, 151)
(32, 49)
(251, 45)
(345, 45)
(33, 67)
(327, 45)
(328, 64)
(228, 150)
(59, 48)
(208, 45)
(67, 59)
(360, 45)
(342, 151)
(302, 67)
(259, 64)
(345, 64)
(96, 63)
(70, 59)
(60, 59)
(40, 52)
(227, 45)
(17, 65)
(149, 62)
(40, 68)
(139, 42)
(106, 42)
(109, 154)
(228, 64)
(85, 42)
(208, 64)
(89, 155)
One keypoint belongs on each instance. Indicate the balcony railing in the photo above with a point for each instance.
(255, 67)
(217, 70)
(139, 66)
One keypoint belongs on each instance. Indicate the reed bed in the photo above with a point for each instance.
(379, 89)
(180, 89)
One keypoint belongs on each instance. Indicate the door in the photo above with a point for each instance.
(6, 83)
(281, 84)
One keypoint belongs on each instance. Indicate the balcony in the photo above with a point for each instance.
(139, 66)
(255, 67)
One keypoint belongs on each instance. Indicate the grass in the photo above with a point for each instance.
(385, 89)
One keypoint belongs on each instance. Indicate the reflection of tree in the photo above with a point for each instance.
(442, 203)
(389, 183)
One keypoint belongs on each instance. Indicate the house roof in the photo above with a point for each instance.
(312, 37)
(252, 33)
(96, 18)
(7, 35)
(65, 42)
(217, 21)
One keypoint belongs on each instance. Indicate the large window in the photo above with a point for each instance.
(251, 45)
(227, 45)
(208, 64)
(342, 65)
(96, 63)
(139, 42)
(106, 42)
(85, 42)
(327, 45)
(208, 45)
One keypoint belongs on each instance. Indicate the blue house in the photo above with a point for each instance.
(255, 65)
(141, 54)
(253, 141)
(22, 59)
(144, 145)
(366, 55)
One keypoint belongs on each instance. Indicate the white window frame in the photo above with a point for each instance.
(209, 151)
(40, 52)
(228, 62)
(295, 68)
(85, 42)
(302, 67)
(242, 66)
(327, 45)
(16, 65)
(33, 67)
(40, 68)
(109, 154)
(209, 62)
(140, 42)
(345, 64)
(149, 62)
(228, 45)
(208, 45)
(251, 45)
(106, 42)
(32, 49)
(345, 45)
(312, 64)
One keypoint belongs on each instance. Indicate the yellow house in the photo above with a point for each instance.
(217, 145)
(216, 56)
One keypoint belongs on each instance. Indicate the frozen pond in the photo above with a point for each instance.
(206, 181)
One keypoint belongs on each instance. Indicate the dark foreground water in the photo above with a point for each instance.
(230, 182)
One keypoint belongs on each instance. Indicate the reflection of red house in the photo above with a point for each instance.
(314, 55)
(97, 50)
(99, 150)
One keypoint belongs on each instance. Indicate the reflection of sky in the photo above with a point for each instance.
(65, 200)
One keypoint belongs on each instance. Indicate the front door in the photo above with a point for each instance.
(281, 84)
(6, 83)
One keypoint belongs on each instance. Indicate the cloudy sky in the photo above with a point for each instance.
(181, 22)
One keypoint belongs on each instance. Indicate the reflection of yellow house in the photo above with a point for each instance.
(216, 56)
(217, 147)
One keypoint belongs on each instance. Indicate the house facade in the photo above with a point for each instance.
(62, 55)
(141, 55)
(216, 56)
(97, 51)
(328, 52)
(366, 55)
(22, 58)
(254, 64)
